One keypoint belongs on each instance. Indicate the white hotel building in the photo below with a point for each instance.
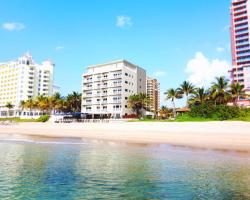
(107, 87)
(22, 79)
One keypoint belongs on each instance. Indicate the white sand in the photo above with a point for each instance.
(210, 135)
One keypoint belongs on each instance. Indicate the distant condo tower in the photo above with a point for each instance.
(240, 44)
(22, 79)
(107, 87)
(153, 92)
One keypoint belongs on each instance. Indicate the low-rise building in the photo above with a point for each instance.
(107, 87)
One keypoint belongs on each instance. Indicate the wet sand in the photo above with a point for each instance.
(226, 136)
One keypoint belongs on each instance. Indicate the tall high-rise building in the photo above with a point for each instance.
(240, 43)
(22, 79)
(153, 92)
(107, 87)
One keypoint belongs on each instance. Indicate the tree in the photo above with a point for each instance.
(186, 88)
(29, 104)
(173, 94)
(200, 96)
(73, 102)
(237, 92)
(54, 102)
(9, 106)
(43, 103)
(22, 105)
(137, 102)
(164, 112)
(219, 90)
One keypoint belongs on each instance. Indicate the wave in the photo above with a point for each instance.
(25, 140)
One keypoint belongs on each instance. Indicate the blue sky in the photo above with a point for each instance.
(173, 40)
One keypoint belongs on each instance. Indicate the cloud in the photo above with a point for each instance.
(220, 49)
(159, 73)
(123, 21)
(58, 48)
(202, 71)
(13, 26)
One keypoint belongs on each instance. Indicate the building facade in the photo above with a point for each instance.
(107, 87)
(240, 43)
(153, 92)
(22, 79)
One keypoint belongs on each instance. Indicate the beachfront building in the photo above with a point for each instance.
(240, 43)
(153, 92)
(107, 87)
(22, 79)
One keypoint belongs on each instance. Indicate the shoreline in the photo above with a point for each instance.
(225, 136)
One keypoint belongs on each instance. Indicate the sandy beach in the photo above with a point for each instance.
(208, 135)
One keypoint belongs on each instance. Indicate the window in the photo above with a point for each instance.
(126, 82)
(126, 90)
(126, 98)
(126, 74)
(126, 106)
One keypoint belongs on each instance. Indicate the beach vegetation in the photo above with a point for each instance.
(43, 118)
(173, 94)
(138, 103)
(54, 104)
(186, 88)
(9, 105)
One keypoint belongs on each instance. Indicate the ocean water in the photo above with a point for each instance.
(77, 169)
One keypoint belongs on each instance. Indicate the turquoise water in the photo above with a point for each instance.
(75, 169)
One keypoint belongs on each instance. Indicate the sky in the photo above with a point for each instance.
(173, 40)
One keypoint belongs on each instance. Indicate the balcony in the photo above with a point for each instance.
(104, 94)
(117, 93)
(104, 102)
(239, 32)
(104, 78)
(87, 88)
(87, 81)
(117, 85)
(117, 109)
(241, 27)
(104, 86)
(241, 21)
(87, 103)
(244, 13)
(242, 48)
(117, 101)
(243, 54)
(242, 37)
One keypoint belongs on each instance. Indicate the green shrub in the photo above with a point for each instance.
(218, 112)
(43, 118)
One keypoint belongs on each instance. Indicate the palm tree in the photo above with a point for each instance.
(219, 90)
(30, 104)
(137, 102)
(74, 101)
(186, 88)
(237, 92)
(43, 103)
(173, 94)
(200, 96)
(22, 105)
(9, 106)
(57, 102)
